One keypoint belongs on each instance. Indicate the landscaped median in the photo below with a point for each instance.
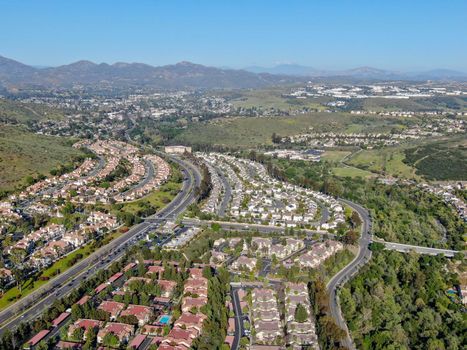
(156, 199)
(60, 266)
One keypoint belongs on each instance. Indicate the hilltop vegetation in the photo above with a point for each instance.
(257, 131)
(24, 155)
(399, 301)
(22, 113)
(443, 160)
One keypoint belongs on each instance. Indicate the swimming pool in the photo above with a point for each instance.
(164, 319)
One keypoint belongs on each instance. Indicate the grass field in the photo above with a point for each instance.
(415, 104)
(23, 154)
(257, 131)
(24, 112)
(160, 198)
(384, 161)
(343, 171)
(335, 156)
(272, 98)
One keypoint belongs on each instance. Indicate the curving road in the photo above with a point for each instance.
(363, 256)
(35, 303)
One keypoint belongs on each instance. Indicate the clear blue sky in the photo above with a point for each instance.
(391, 34)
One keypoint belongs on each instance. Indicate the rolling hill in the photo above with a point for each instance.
(177, 76)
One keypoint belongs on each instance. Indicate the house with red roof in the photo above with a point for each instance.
(84, 324)
(31, 343)
(197, 286)
(62, 317)
(100, 288)
(189, 320)
(112, 307)
(137, 342)
(115, 277)
(156, 270)
(131, 280)
(151, 330)
(141, 312)
(129, 267)
(195, 272)
(68, 345)
(189, 303)
(122, 331)
(178, 336)
(83, 300)
(167, 287)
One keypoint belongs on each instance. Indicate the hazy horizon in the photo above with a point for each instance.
(325, 35)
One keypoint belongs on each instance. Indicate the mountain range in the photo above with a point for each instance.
(359, 73)
(14, 74)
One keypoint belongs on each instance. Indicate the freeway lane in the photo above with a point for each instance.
(39, 300)
(227, 192)
(407, 248)
(363, 256)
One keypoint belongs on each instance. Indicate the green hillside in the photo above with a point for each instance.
(24, 154)
(13, 111)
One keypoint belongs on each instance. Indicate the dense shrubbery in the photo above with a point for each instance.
(398, 301)
(438, 161)
(399, 213)
(215, 326)
(410, 215)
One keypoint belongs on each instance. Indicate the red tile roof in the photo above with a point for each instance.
(115, 277)
(38, 337)
(112, 307)
(137, 341)
(139, 311)
(63, 316)
(83, 300)
(129, 267)
(68, 345)
(101, 287)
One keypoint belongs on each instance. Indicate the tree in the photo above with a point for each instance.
(111, 340)
(301, 315)
(17, 257)
(355, 219)
(351, 237)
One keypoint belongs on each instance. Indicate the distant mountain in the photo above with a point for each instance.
(186, 75)
(439, 74)
(361, 73)
(177, 76)
(286, 69)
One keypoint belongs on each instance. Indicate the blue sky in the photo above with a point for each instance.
(400, 35)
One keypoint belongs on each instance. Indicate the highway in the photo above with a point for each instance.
(227, 193)
(362, 257)
(31, 306)
(407, 248)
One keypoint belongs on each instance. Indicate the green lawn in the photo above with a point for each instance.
(56, 268)
(160, 198)
(343, 171)
(384, 161)
(335, 156)
(272, 98)
(23, 154)
(257, 131)
(23, 112)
